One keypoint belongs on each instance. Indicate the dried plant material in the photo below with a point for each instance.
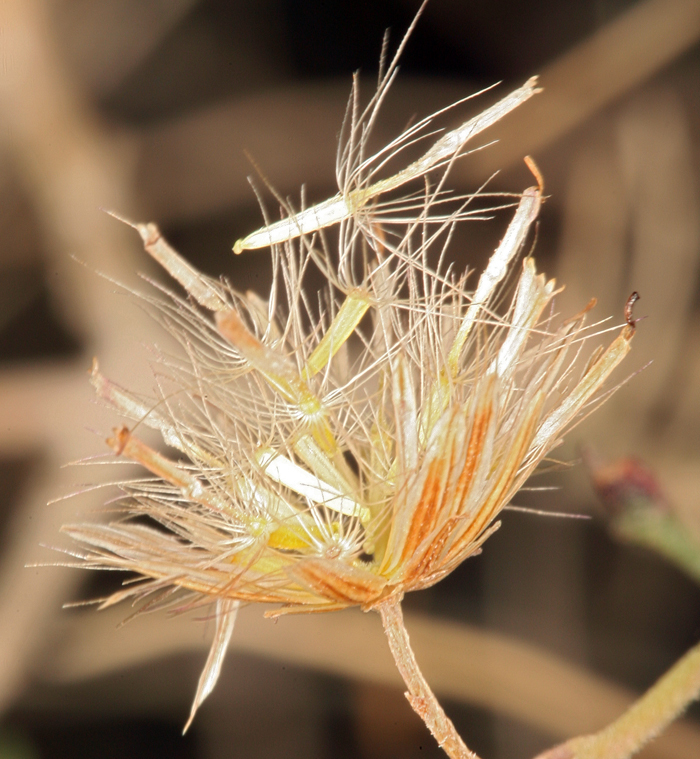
(356, 192)
(344, 450)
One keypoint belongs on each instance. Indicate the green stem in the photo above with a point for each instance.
(644, 720)
(639, 513)
(419, 694)
(664, 533)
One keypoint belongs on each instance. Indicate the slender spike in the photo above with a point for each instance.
(341, 207)
(531, 298)
(125, 444)
(496, 269)
(317, 217)
(405, 414)
(226, 612)
(323, 466)
(592, 380)
(193, 281)
(280, 374)
(284, 471)
(143, 413)
(343, 325)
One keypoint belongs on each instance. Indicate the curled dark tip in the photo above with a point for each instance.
(629, 306)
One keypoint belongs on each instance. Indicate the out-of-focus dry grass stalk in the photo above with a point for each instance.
(622, 55)
(483, 668)
(618, 58)
(646, 231)
(70, 165)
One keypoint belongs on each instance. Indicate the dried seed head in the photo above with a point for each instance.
(362, 456)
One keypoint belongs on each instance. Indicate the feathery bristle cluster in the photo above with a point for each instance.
(340, 449)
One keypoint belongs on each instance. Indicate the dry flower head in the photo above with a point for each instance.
(343, 449)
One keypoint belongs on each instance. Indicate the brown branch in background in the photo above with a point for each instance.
(184, 172)
(105, 66)
(613, 61)
(187, 167)
(68, 166)
(49, 168)
(632, 193)
(483, 668)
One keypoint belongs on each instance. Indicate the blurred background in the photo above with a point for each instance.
(146, 107)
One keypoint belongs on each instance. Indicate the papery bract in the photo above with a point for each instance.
(344, 449)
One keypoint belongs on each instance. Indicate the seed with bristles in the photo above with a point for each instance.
(343, 449)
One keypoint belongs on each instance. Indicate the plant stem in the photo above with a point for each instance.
(419, 694)
(662, 532)
(644, 720)
(638, 512)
